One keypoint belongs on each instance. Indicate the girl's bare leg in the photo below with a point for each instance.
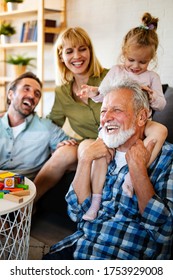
(98, 174)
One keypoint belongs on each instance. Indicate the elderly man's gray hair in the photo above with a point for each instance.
(140, 96)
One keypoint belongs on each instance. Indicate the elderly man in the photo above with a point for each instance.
(126, 228)
(26, 141)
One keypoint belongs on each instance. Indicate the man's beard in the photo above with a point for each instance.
(23, 112)
(116, 140)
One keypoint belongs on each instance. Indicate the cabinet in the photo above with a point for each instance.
(40, 13)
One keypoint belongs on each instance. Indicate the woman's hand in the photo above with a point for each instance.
(68, 142)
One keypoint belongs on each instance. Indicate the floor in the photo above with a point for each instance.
(51, 223)
(46, 230)
(37, 249)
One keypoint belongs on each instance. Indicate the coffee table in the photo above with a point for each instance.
(15, 224)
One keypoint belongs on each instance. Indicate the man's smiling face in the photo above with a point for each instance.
(117, 118)
(25, 97)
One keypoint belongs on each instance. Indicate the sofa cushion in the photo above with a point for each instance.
(164, 87)
(166, 116)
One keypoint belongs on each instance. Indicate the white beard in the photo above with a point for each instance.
(116, 140)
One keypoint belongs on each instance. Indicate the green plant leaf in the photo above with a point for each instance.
(14, 1)
(20, 60)
(7, 29)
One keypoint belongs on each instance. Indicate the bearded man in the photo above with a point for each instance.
(26, 140)
(126, 227)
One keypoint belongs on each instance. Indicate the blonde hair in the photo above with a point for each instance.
(143, 36)
(76, 36)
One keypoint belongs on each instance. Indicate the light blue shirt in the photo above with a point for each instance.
(27, 153)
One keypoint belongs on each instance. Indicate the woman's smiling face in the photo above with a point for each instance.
(76, 58)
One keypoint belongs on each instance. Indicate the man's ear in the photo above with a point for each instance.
(10, 94)
(142, 117)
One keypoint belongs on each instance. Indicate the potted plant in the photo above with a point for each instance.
(20, 63)
(12, 4)
(6, 31)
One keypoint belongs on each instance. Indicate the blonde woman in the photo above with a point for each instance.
(77, 65)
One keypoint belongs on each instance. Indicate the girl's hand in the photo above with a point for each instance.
(68, 142)
(149, 91)
(87, 91)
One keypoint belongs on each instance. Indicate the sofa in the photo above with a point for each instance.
(166, 116)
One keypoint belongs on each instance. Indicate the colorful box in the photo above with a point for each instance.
(9, 182)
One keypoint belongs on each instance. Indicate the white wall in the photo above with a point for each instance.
(107, 21)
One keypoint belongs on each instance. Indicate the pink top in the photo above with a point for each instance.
(148, 78)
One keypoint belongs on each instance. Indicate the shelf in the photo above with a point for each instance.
(29, 12)
(18, 45)
(37, 14)
(54, 30)
(49, 86)
(4, 80)
(49, 89)
(15, 14)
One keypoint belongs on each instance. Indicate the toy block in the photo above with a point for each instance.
(1, 195)
(9, 182)
(13, 189)
(5, 174)
(19, 179)
(1, 185)
(25, 187)
(22, 193)
(13, 198)
(4, 191)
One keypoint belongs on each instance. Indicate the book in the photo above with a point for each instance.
(22, 32)
(29, 31)
(34, 38)
(26, 31)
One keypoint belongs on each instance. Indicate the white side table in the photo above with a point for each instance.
(15, 224)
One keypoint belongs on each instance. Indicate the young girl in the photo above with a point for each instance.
(138, 50)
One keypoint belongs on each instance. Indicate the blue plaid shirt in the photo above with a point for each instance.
(120, 231)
